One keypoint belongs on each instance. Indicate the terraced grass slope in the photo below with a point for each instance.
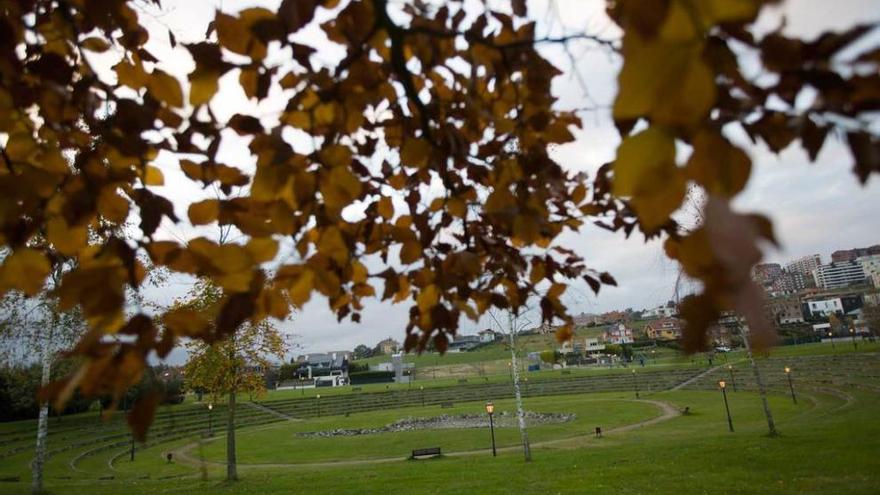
(829, 439)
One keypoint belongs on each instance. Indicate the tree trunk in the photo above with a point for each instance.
(231, 471)
(761, 390)
(43, 422)
(520, 414)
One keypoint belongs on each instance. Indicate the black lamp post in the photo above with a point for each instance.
(490, 409)
(732, 378)
(422, 391)
(210, 420)
(654, 356)
(852, 333)
(831, 336)
(132, 447)
(635, 384)
(790, 384)
(318, 404)
(723, 387)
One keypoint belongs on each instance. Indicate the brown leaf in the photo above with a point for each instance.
(142, 413)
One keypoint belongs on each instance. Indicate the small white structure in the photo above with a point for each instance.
(825, 307)
(593, 345)
(822, 328)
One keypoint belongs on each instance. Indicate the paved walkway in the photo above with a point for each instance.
(269, 410)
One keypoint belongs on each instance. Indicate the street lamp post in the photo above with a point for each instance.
(635, 384)
(732, 378)
(831, 336)
(790, 384)
(510, 369)
(490, 409)
(852, 333)
(210, 420)
(723, 387)
(654, 356)
(318, 404)
(422, 391)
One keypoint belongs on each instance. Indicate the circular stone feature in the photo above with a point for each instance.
(503, 419)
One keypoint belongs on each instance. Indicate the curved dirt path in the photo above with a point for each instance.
(667, 412)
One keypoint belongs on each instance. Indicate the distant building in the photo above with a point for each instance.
(585, 319)
(821, 307)
(463, 343)
(664, 329)
(488, 335)
(839, 274)
(871, 267)
(766, 273)
(854, 254)
(593, 345)
(786, 310)
(667, 310)
(620, 334)
(614, 317)
(806, 265)
(388, 346)
(323, 364)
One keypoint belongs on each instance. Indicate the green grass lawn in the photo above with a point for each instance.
(279, 443)
(829, 444)
(824, 448)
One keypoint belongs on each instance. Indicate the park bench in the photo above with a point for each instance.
(566, 372)
(429, 452)
(462, 380)
(446, 405)
(16, 479)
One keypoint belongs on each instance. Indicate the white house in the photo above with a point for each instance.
(825, 307)
(487, 336)
(620, 335)
(593, 345)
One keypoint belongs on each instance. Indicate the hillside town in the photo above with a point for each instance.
(807, 299)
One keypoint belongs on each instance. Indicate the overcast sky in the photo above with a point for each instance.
(816, 208)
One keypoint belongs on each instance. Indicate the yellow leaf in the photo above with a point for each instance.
(204, 212)
(299, 119)
(301, 290)
(427, 298)
(358, 272)
(415, 152)
(131, 75)
(641, 157)
(203, 87)
(183, 322)
(262, 249)
(95, 44)
(666, 81)
(717, 165)
(336, 155)
(410, 251)
(66, 239)
(111, 206)
(325, 113)
(165, 88)
(25, 269)
(386, 208)
(333, 245)
(153, 176)
(340, 188)
(645, 170)
(457, 207)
